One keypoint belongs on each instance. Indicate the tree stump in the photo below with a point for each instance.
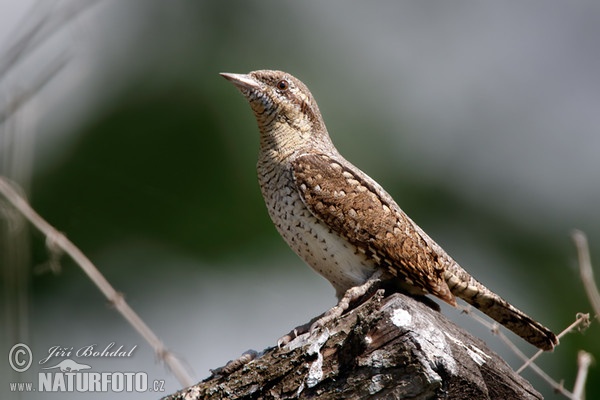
(392, 347)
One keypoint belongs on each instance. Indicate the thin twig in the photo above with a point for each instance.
(531, 359)
(94, 274)
(582, 319)
(585, 270)
(584, 359)
(39, 32)
(558, 387)
(51, 70)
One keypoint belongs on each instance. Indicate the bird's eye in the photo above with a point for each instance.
(283, 85)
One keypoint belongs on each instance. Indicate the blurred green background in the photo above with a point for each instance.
(480, 119)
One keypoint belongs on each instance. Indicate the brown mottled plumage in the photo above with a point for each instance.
(340, 221)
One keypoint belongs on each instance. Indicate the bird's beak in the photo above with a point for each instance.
(241, 81)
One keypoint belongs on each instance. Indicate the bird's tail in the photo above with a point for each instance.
(467, 288)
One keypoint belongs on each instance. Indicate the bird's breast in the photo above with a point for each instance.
(322, 249)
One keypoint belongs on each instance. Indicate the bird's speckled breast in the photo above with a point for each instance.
(322, 249)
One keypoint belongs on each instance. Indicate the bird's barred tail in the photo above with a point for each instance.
(467, 288)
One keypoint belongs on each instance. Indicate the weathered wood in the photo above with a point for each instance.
(387, 348)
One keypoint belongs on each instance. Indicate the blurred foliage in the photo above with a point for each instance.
(155, 167)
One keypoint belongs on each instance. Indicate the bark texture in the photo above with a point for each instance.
(387, 348)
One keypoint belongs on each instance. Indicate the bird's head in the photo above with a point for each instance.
(288, 116)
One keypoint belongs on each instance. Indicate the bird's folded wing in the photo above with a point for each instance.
(362, 213)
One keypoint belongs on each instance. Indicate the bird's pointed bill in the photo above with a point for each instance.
(242, 81)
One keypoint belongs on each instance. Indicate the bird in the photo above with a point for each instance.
(341, 222)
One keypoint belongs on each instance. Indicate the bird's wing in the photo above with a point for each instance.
(366, 216)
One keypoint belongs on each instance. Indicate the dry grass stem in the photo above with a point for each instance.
(557, 386)
(586, 271)
(582, 321)
(38, 28)
(584, 359)
(59, 240)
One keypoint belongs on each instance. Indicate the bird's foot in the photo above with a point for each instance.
(294, 333)
(236, 364)
(352, 295)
